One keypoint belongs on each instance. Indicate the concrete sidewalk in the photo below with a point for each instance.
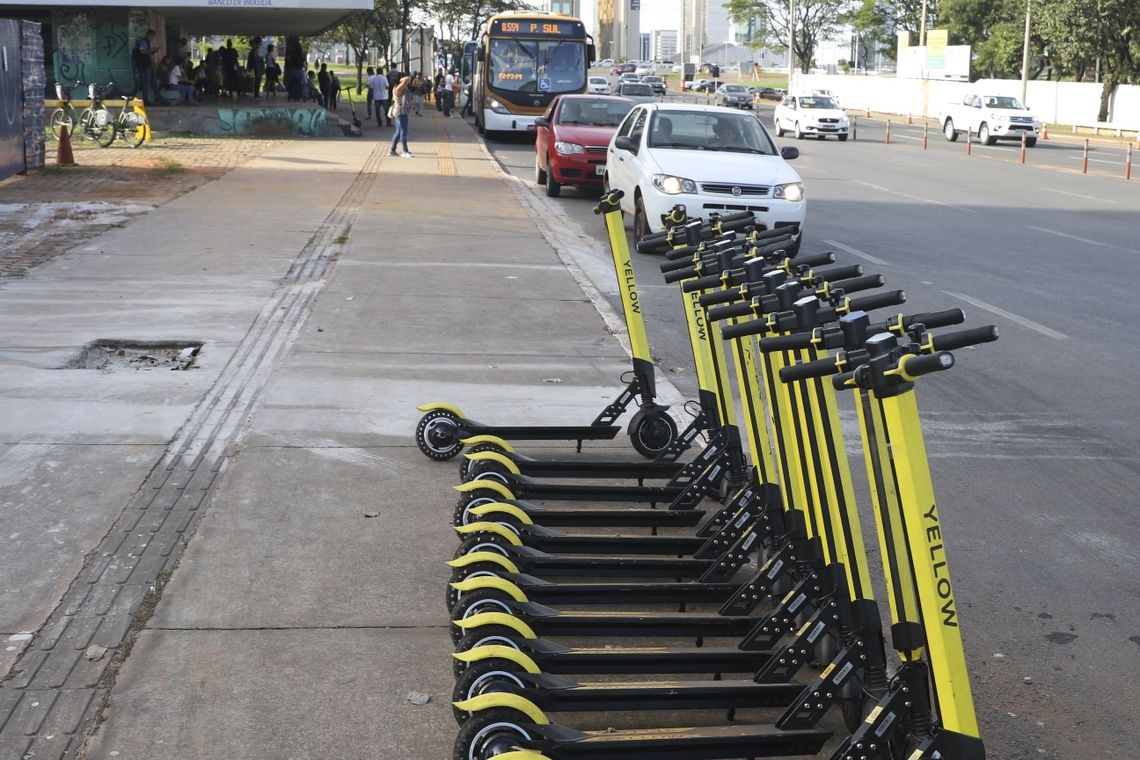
(245, 559)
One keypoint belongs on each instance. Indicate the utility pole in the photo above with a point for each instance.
(922, 27)
(1025, 56)
(791, 42)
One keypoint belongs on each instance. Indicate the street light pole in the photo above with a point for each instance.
(922, 27)
(1025, 56)
(791, 41)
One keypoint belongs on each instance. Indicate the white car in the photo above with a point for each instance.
(604, 63)
(816, 115)
(598, 86)
(638, 92)
(705, 157)
(644, 69)
(628, 78)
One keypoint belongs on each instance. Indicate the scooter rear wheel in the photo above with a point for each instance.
(485, 542)
(466, 467)
(461, 515)
(474, 602)
(488, 635)
(651, 434)
(485, 677)
(490, 733)
(437, 435)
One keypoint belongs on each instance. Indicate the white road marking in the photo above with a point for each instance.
(1046, 331)
(1096, 160)
(913, 197)
(1078, 195)
(856, 252)
(1086, 241)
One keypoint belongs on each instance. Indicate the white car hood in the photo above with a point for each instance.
(814, 114)
(723, 166)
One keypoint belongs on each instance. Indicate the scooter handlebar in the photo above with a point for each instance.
(934, 319)
(912, 366)
(839, 273)
(816, 260)
(728, 312)
(721, 296)
(807, 370)
(681, 274)
(792, 342)
(741, 329)
(857, 284)
(878, 300)
(702, 283)
(963, 338)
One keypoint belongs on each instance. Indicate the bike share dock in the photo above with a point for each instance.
(262, 527)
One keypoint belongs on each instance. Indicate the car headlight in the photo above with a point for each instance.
(792, 191)
(496, 106)
(671, 185)
(568, 148)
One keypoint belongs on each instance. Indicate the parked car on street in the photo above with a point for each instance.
(733, 96)
(656, 82)
(816, 115)
(638, 92)
(571, 139)
(598, 86)
(706, 157)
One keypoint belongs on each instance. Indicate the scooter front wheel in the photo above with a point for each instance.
(485, 677)
(490, 733)
(467, 468)
(652, 433)
(476, 602)
(437, 435)
(462, 515)
(485, 542)
(487, 635)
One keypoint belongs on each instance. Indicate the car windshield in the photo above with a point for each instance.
(818, 101)
(636, 90)
(549, 66)
(1001, 101)
(647, 80)
(702, 130)
(594, 112)
(736, 89)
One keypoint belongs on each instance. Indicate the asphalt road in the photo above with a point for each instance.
(1033, 439)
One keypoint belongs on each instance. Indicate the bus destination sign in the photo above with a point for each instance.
(537, 28)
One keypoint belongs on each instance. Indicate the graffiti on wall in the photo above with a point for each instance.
(75, 46)
(269, 121)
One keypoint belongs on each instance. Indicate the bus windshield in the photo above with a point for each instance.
(543, 66)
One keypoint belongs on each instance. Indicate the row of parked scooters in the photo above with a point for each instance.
(739, 582)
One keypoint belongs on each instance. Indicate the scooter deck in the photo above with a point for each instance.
(545, 620)
(563, 544)
(540, 432)
(613, 518)
(524, 487)
(556, 658)
(690, 592)
(556, 694)
(570, 468)
(551, 566)
(705, 743)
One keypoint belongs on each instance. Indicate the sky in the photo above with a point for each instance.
(655, 14)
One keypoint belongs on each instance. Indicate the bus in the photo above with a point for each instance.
(524, 60)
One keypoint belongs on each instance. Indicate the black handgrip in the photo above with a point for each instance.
(878, 300)
(805, 370)
(934, 319)
(916, 366)
(761, 235)
(672, 266)
(963, 338)
(728, 312)
(739, 330)
(838, 273)
(652, 242)
(841, 381)
(792, 342)
(816, 259)
(721, 296)
(857, 284)
(684, 252)
(681, 274)
(738, 220)
(702, 283)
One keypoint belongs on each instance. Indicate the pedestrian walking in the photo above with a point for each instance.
(417, 86)
(378, 83)
(371, 72)
(449, 92)
(438, 87)
(402, 103)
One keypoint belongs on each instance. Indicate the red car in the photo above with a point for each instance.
(623, 68)
(572, 138)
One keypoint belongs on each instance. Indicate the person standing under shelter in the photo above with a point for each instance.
(272, 71)
(378, 84)
(142, 61)
(324, 81)
(231, 77)
(255, 63)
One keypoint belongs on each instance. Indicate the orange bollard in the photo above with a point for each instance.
(1023, 147)
(925, 135)
(969, 142)
(63, 154)
(1085, 158)
(854, 130)
(888, 131)
(1044, 131)
(909, 120)
(868, 112)
(1128, 163)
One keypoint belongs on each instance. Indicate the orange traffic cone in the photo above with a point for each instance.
(63, 154)
(1044, 131)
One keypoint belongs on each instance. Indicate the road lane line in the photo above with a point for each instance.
(856, 252)
(1048, 332)
(1086, 241)
(1078, 195)
(913, 197)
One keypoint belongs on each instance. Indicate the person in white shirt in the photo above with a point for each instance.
(378, 83)
(178, 81)
(449, 92)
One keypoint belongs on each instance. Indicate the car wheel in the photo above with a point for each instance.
(539, 173)
(799, 132)
(984, 134)
(821, 137)
(779, 129)
(843, 138)
(553, 188)
(1030, 142)
(640, 219)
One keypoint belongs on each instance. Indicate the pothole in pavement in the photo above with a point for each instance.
(122, 355)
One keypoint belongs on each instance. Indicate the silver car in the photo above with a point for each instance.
(638, 93)
(733, 96)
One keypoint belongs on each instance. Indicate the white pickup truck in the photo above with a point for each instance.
(991, 118)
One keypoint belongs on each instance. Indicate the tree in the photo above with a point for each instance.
(1078, 33)
(363, 32)
(814, 20)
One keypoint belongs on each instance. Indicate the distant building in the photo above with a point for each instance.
(619, 29)
(645, 49)
(705, 23)
(568, 7)
(665, 44)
